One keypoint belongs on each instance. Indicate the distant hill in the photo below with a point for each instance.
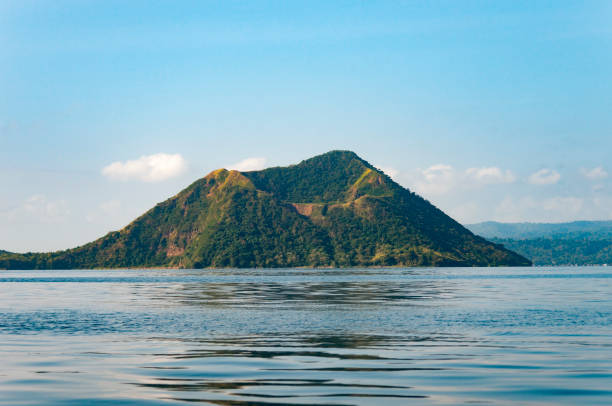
(493, 229)
(331, 210)
(575, 243)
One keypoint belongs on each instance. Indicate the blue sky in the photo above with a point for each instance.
(493, 110)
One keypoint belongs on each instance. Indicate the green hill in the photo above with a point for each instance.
(331, 210)
(574, 243)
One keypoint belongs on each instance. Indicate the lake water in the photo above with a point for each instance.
(505, 336)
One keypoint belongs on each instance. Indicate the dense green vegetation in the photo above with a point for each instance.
(331, 210)
(575, 243)
(562, 251)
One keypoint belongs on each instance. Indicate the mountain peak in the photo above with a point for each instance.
(337, 154)
(335, 158)
(334, 209)
(324, 179)
(222, 179)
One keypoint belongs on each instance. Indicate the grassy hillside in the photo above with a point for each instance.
(331, 210)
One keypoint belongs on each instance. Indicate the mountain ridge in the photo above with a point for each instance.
(334, 209)
(522, 230)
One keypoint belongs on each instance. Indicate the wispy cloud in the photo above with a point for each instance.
(442, 178)
(391, 172)
(147, 168)
(595, 173)
(39, 208)
(544, 177)
(435, 180)
(249, 164)
(490, 175)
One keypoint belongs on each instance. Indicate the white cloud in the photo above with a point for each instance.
(544, 177)
(435, 180)
(595, 173)
(490, 175)
(441, 179)
(249, 164)
(147, 168)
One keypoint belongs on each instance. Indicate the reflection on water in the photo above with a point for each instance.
(309, 293)
(307, 337)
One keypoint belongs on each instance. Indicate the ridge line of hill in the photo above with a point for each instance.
(332, 210)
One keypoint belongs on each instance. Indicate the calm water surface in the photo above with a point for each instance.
(506, 336)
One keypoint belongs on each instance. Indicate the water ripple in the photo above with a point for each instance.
(307, 337)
